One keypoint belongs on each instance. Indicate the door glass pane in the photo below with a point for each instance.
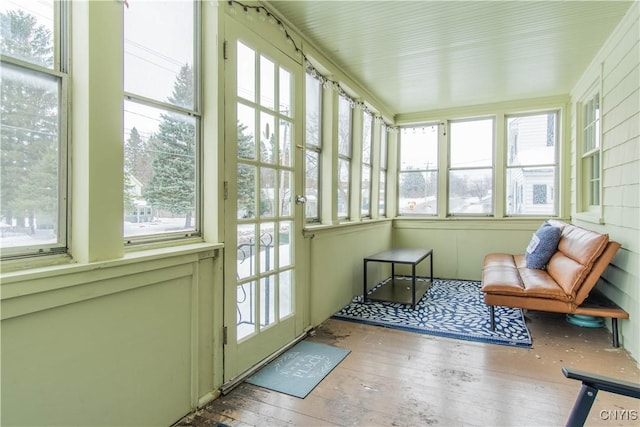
(246, 72)
(285, 92)
(285, 251)
(267, 192)
(246, 191)
(246, 251)
(246, 132)
(158, 53)
(286, 129)
(267, 81)
(284, 195)
(29, 175)
(285, 293)
(267, 138)
(268, 300)
(267, 247)
(245, 308)
(27, 31)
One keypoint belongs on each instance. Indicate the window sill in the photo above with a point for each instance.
(591, 217)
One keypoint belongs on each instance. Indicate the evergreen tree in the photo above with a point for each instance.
(246, 174)
(172, 186)
(29, 110)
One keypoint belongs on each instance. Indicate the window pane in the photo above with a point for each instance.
(419, 148)
(311, 184)
(344, 127)
(159, 51)
(531, 140)
(418, 192)
(160, 170)
(343, 188)
(471, 143)
(27, 32)
(365, 208)
(30, 147)
(531, 191)
(470, 191)
(285, 253)
(366, 138)
(382, 210)
(383, 147)
(313, 103)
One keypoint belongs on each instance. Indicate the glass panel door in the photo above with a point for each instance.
(261, 217)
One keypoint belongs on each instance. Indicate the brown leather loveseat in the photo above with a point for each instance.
(566, 283)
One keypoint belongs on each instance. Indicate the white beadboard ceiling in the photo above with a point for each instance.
(418, 56)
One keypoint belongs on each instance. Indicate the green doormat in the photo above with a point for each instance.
(298, 370)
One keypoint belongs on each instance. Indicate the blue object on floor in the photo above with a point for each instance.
(300, 369)
(450, 308)
(585, 321)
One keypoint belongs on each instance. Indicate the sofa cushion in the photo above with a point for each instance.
(578, 249)
(543, 244)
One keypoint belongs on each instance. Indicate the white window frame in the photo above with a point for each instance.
(317, 149)
(366, 181)
(550, 192)
(589, 131)
(347, 158)
(60, 72)
(194, 112)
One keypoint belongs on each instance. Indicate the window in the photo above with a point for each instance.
(367, 135)
(313, 147)
(591, 158)
(382, 206)
(471, 167)
(344, 156)
(418, 173)
(33, 173)
(532, 167)
(161, 120)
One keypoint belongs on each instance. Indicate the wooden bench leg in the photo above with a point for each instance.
(614, 332)
(493, 319)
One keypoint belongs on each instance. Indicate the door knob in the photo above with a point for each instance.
(300, 199)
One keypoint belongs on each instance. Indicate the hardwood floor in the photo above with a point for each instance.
(397, 378)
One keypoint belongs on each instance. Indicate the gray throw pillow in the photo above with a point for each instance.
(542, 246)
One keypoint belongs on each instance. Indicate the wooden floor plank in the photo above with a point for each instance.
(398, 378)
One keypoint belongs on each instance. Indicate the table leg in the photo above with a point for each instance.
(431, 266)
(413, 286)
(364, 286)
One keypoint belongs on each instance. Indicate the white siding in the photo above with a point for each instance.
(618, 64)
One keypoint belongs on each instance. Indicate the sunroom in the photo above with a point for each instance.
(189, 187)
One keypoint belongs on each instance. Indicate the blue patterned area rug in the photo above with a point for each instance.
(450, 308)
